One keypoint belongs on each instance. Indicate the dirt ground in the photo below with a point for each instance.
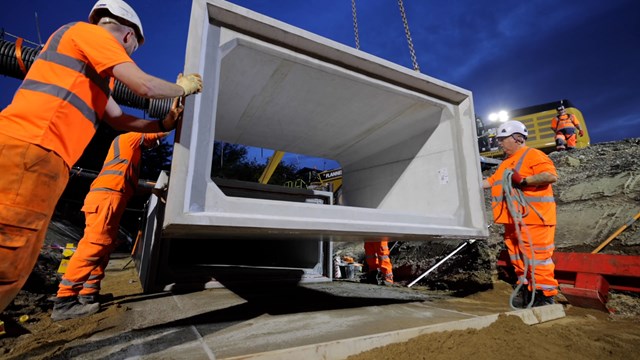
(597, 193)
(582, 334)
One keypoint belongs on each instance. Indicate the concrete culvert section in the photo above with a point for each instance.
(406, 142)
(407, 147)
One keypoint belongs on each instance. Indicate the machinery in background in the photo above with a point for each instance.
(537, 119)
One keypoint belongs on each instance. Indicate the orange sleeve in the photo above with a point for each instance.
(100, 48)
(541, 163)
(493, 178)
(132, 139)
(575, 121)
(154, 136)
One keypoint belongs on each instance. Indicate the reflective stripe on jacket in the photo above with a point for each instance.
(564, 121)
(121, 169)
(65, 93)
(527, 161)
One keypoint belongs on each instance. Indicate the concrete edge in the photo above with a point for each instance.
(341, 349)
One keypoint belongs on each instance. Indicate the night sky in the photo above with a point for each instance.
(510, 54)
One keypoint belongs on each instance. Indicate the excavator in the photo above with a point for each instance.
(537, 119)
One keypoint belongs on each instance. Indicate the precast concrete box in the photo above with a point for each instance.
(406, 142)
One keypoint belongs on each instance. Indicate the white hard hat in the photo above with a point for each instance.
(121, 11)
(512, 127)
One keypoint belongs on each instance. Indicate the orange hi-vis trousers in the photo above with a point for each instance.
(540, 263)
(566, 138)
(103, 211)
(32, 180)
(376, 254)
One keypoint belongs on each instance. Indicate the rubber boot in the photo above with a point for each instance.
(70, 308)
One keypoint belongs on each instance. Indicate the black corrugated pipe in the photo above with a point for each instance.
(9, 66)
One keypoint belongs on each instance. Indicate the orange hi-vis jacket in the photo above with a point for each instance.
(527, 161)
(564, 121)
(121, 168)
(63, 97)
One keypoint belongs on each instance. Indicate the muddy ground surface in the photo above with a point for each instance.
(597, 193)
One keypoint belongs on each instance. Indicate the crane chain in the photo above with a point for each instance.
(355, 23)
(412, 51)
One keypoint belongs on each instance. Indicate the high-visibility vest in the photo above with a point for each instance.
(539, 198)
(121, 169)
(564, 121)
(63, 97)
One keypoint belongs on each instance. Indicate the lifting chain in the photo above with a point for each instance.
(408, 33)
(355, 23)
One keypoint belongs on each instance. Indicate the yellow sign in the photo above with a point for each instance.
(66, 255)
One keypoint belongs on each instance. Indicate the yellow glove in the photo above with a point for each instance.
(190, 83)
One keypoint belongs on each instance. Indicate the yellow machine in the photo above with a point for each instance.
(537, 119)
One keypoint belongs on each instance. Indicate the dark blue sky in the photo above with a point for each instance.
(510, 54)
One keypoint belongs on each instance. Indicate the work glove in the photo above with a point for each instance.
(517, 179)
(190, 83)
(581, 133)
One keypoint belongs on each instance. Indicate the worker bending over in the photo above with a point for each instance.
(103, 208)
(380, 270)
(565, 126)
(53, 116)
(530, 220)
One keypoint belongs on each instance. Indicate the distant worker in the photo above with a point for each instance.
(103, 208)
(53, 116)
(522, 199)
(380, 270)
(565, 126)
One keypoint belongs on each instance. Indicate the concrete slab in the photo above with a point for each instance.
(266, 321)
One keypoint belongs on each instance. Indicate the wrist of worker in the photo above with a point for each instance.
(524, 182)
(161, 126)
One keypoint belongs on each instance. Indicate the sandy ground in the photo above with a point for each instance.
(582, 334)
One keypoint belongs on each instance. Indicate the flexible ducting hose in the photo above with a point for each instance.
(9, 66)
(518, 207)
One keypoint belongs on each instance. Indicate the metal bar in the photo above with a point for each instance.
(470, 241)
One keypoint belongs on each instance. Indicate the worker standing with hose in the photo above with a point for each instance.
(522, 199)
(54, 114)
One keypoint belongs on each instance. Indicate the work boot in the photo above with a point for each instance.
(371, 277)
(88, 299)
(522, 298)
(385, 280)
(70, 308)
(95, 298)
(541, 299)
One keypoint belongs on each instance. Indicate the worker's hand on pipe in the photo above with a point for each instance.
(517, 179)
(190, 83)
(581, 133)
(175, 113)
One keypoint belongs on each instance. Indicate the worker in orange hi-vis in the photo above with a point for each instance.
(565, 126)
(380, 269)
(103, 209)
(53, 116)
(522, 199)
